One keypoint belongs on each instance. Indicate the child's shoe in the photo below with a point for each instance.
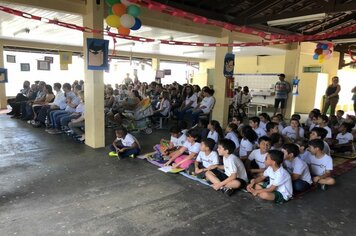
(227, 191)
(113, 154)
(323, 187)
(132, 156)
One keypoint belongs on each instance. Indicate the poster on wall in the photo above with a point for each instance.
(43, 65)
(3, 75)
(98, 53)
(295, 84)
(229, 64)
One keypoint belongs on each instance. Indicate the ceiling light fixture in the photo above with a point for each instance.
(297, 19)
(194, 52)
(236, 49)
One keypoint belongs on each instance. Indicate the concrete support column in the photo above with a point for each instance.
(291, 69)
(3, 102)
(155, 64)
(221, 109)
(94, 82)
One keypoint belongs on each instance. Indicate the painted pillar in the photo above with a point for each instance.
(94, 82)
(221, 109)
(3, 102)
(155, 64)
(291, 69)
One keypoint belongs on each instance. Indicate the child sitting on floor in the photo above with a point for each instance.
(125, 145)
(205, 159)
(277, 141)
(215, 130)
(276, 119)
(185, 155)
(168, 146)
(303, 149)
(231, 133)
(249, 138)
(298, 169)
(323, 121)
(255, 124)
(320, 133)
(294, 130)
(264, 119)
(271, 128)
(344, 138)
(320, 164)
(256, 160)
(279, 189)
(234, 175)
(202, 128)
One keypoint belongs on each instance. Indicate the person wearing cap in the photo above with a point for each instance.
(281, 88)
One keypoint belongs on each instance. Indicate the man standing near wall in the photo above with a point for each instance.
(281, 89)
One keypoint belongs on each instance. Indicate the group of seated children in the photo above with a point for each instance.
(266, 161)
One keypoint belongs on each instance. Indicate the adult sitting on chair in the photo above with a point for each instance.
(205, 106)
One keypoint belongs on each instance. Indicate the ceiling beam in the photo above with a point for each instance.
(70, 6)
(350, 18)
(336, 9)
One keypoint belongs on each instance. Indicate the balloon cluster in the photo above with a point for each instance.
(323, 51)
(123, 15)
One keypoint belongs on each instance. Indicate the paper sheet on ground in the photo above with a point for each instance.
(170, 169)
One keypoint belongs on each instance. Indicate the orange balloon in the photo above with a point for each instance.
(119, 9)
(124, 31)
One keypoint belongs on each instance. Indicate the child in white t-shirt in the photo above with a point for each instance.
(205, 159)
(249, 138)
(125, 145)
(255, 124)
(215, 131)
(256, 160)
(344, 138)
(294, 130)
(279, 189)
(231, 133)
(323, 121)
(320, 164)
(298, 169)
(234, 175)
(264, 119)
(320, 133)
(303, 150)
(185, 155)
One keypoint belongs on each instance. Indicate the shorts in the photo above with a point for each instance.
(222, 176)
(278, 197)
(282, 101)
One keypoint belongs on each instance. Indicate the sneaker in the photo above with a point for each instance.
(323, 187)
(113, 154)
(227, 191)
(132, 156)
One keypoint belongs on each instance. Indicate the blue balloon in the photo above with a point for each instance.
(316, 56)
(137, 24)
(324, 46)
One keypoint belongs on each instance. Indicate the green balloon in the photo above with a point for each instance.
(110, 11)
(112, 2)
(133, 10)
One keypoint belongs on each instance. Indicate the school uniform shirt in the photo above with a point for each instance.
(60, 100)
(291, 133)
(299, 167)
(258, 157)
(260, 132)
(280, 128)
(128, 140)
(233, 137)
(80, 108)
(208, 160)
(245, 146)
(319, 166)
(326, 149)
(213, 135)
(232, 164)
(344, 138)
(192, 147)
(305, 156)
(312, 126)
(262, 125)
(329, 135)
(245, 98)
(281, 179)
(178, 142)
(208, 103)
(193, 99)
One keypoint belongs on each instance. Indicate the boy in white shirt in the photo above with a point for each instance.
(320, 133)
(344, 138)
(279, 189)
(255, 163)
(320, 164)
(234, 175)
(272, 128)
(323, 123)
(125, 145)
(294, 130)
(298, 169)
(205, 159)
(255, 124)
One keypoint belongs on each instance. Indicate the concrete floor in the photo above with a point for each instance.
(50, 185)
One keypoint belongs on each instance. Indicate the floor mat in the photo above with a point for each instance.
(346, 156)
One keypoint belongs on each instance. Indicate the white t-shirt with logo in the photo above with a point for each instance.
(233, 137)
(291, 133)
(344, 138)
(192, 147)
(299, 167)
(213, 135)
(258, 157)
(305, 156)
(319, 166)
(127, 141)
(211, 159)
(208, 103)
(245, 146)
(232, 164)
(282, 180)
(178, 142)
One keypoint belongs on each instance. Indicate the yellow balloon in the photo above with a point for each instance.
(113, 21)
(321, 57)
